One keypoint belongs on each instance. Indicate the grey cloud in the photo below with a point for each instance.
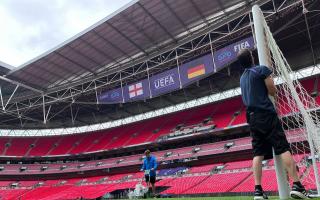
(48, 18)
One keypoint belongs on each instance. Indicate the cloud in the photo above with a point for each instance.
(31, 27)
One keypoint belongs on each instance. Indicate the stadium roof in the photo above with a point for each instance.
(59, 88)
(138, 30)
(5, 68)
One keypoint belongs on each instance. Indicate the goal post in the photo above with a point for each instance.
(264, 59)
(294, 101)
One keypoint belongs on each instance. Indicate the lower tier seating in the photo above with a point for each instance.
(239, 179)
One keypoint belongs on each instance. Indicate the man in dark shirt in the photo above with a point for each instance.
(265, 127)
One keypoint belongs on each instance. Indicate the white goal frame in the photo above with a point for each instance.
(263, 55)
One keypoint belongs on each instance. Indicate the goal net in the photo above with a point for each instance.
(297, 109)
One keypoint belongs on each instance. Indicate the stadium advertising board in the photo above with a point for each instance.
(228, 54)
(136, 91)
(111, 96)
(164, 82)
(196, 69)
(178, 77)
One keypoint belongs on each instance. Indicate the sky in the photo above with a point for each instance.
(31, 27)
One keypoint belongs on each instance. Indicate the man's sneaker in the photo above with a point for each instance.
(299, 192)
(259, 194)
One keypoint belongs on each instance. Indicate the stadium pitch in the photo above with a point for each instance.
(223, 198)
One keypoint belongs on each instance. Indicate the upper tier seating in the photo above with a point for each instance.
(221, 113)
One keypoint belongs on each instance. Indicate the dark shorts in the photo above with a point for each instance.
(267, 132)
(151, 179)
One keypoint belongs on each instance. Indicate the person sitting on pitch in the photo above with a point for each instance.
(149, 167)
(265, 127)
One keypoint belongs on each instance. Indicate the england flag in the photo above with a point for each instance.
(135, 90)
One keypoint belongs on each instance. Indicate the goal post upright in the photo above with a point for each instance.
(282, 181)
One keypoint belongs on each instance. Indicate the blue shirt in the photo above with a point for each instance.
(254, 90)
(149, 163)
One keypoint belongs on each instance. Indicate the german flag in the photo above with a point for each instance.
(196, 71)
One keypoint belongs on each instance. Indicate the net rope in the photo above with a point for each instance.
(297, 111)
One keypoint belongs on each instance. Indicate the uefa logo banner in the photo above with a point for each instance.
(164, 82)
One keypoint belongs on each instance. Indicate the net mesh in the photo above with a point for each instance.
(297, 110)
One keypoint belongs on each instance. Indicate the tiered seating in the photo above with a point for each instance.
(191, 183)
(241, 118)
(142, 134)
(27, 183)
(87, 191)
(73, 181)
(222, 114)
(199, 114)
(43, 146)
(52, 182)
(19, 146)
(269, 182)
(241, 144)
(116, 177)
(95, 191)
(164, 182)
(226, 109)
(103, 139)
(65, 145)
(3, 142)
(138, 175)
(203, 168)
(44, 192)
(95, 179)
(171, 121)
(238, 165)
(5, 183)
(181, 185)
(121, 138)
(172, 171)
(218, 183)
(180, 153)
(7, 194)
(83, 144)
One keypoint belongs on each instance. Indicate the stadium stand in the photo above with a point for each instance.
(235, 177)
(204, 168)
(91, 142)
(222, 115)
(226, 183)
(204, 150)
